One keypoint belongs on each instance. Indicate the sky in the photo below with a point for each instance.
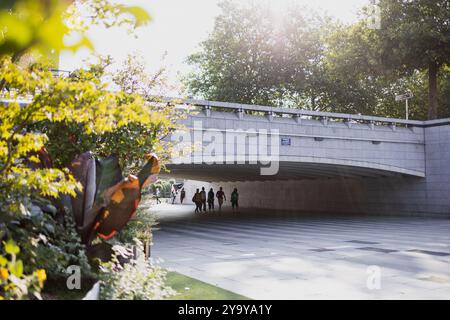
(176, 30)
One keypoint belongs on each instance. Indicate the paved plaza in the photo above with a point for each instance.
(286, 256)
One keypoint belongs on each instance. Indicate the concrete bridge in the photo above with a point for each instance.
(327, 162)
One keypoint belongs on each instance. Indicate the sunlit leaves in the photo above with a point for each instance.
(14, 283)
(10, 247)
(69, 116)
(48, 182)
(136, 15)
(110, 14)
(42, 25)
(33, 24)
(250, 57)
(93, 118)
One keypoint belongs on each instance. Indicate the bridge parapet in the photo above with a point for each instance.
(294, 113)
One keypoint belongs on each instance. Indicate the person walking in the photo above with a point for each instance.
(211, 200)
(174, 194)
(220, 195)
(198, 201)
(203, 198)
(182, 195)
(157, 195)
(235, 200)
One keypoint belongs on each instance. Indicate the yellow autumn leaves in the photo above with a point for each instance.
(14, 283)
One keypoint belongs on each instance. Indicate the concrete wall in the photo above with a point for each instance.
(428, 196)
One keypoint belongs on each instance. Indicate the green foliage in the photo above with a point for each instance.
(24, 26)
(110, 14)
(414, 36)
(141, 225)
(18, 145)
(42, 25)
(73, 114)
(15, 283)
(164, 186)
(47, 241)
(234, 64)
(394, 58)
(133, 78)
(136, 279)
(414, 33)
(88, 116)
(359, 81)
(251, 57)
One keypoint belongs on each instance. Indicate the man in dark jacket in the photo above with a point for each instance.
(235, 200)
(220, 197)
(198, 201)
(203, 198)
(211, 200)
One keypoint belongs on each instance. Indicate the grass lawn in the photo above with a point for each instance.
(188, 288)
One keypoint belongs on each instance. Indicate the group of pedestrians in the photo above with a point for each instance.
(200, 199)
(174, 194)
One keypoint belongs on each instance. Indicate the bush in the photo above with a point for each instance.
(140, 226)
(165, 187)
(47, 242)
(136, 279)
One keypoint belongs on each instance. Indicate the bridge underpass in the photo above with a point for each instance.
(331, 164)
(334, 162)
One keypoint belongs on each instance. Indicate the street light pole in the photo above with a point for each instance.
(407, 111)
(405, 97)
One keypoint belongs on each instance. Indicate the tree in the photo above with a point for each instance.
(236, 61)
(357, 81)
(414, 35)
(129, 138)
(253, 57)
(299, 51)
(290, 63)
(133, 78)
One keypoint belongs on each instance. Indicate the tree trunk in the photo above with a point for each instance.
(432, 90)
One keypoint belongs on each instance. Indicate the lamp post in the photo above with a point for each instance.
(405, 97)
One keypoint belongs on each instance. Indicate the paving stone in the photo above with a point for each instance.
(433, 253)
(304, 257)
(377, 249)
(362, 242)
(322, 250)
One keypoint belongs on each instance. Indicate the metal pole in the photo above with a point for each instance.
(407, 111)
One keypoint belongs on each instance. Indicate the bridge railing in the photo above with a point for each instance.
(299, 113)
(296, 113)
